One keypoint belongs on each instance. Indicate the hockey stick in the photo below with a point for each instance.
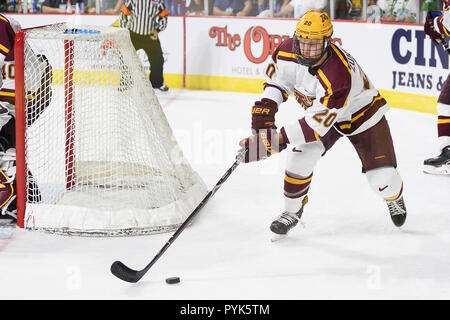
(123, 272)
(445, 45)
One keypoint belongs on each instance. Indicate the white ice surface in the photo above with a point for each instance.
(349, 248)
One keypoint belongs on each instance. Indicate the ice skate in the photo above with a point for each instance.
(285, 222)
(397, 210)
(439, 164)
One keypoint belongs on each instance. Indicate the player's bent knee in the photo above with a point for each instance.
(302, 159)
(386, 181)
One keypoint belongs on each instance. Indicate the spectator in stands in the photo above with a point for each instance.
(232, 7)
(6, 6)
(349, 9)
(432, 5)
(176, 7)
(107, 6)
(195, 8)
(298, 8)
(261, 8)
(373, 11)
(399, 10)
(35, 5)
(54, 6)
(31, 5)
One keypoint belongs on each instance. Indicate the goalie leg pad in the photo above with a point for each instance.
(7, 183)
(8, 135)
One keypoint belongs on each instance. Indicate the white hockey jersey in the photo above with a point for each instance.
(338, 94)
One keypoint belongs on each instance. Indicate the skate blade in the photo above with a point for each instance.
(278, 237)
(442, 170)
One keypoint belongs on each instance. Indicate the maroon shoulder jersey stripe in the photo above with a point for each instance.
(335, 77)
(291, 59)
(285, 46)
(7, 36)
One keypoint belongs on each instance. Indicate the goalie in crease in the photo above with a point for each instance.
(40, 98)
(8, 29)
(339, 100)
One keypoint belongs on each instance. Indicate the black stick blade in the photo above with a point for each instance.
(124, 273)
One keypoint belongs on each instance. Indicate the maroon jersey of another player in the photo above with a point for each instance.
(7, 36)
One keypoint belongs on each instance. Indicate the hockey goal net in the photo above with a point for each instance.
(95, 152)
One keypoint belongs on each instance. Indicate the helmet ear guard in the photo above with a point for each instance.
(313, 25)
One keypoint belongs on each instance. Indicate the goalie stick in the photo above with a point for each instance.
(125, 273)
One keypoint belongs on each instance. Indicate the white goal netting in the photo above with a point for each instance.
(100, 156)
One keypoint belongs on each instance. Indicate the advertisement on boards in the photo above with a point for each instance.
(398, 58)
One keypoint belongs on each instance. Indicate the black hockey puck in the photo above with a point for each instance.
(173, 280)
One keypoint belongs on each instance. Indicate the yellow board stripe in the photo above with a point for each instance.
(328, 84)
(296, 181)
(410, 101)
(345, 64)
(395, 99)
(442, 121)
(341, 57)
(7, 94)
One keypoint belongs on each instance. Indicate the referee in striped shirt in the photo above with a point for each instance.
(145, 19)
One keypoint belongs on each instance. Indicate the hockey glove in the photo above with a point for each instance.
(262, 145)
(263, 114)
(429, 26)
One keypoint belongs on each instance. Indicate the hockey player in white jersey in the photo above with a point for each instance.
(339, 100)
(437, 26)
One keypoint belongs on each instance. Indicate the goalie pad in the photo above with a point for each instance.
(7, 183)
(8, 135)
(5, 115)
